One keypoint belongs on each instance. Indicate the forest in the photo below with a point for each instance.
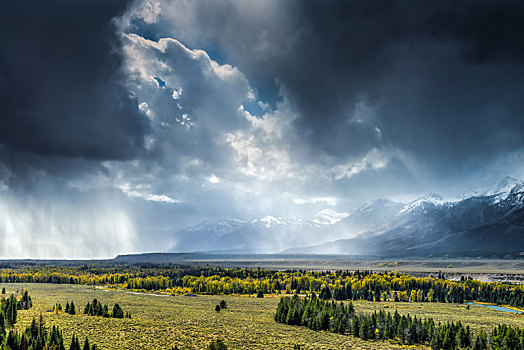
(36, 336)
(340, 285)
(322, 315)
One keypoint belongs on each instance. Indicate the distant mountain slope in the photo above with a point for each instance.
(200, 236)
(370, 215)
(489, 223)
(266, 235)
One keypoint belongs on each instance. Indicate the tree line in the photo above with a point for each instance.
(95, 308)
(36, 336)
(9, 308)
(341, 285)
(323, 315)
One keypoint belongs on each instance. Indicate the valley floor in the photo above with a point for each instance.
(161, 322)
(487, 269)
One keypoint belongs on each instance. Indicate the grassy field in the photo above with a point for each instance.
(161, 322)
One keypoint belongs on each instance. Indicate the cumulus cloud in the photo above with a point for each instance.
(424, 74)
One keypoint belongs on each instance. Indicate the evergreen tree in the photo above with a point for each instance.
(366, 331)
(25, 302)
(105, 311)
(117, 312)
(10, 342)
(325, 293)
(355, 326)
(11, 310)
(87, 308)
(481, 340)
(463, 337)
(223, 304)
(511, 339)
(55, 339)
(86, 344)
(2, 326)
(217, 344)
(321, 315)
(75, 344)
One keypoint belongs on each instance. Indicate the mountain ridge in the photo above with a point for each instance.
(494, 221)
(429, 224)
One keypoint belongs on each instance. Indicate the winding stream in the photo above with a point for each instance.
(495, 307)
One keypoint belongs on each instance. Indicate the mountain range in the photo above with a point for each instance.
(269, 234)
(484, 222)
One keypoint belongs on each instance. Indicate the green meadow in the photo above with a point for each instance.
(191, 322)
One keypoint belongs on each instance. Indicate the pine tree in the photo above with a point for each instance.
(87, 308)
(351, 308)
(105, 312)
(75, 345)
(355, 326)
(72, 310)
(117, 312)
(217, 344)
(67, 308)
(325, 293)
(11, 340)
(26, 303)
(11, 310)
(86, 345)
(481, 341)
(511, 339)
(364, 329)
(55, 339)
(2, 326)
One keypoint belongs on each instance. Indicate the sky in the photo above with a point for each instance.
(123, 120)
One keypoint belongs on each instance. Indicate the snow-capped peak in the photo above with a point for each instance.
(329, 217)
(500, 190)
(270, 221)
(374, 205)
(435, 198)
(424, 203)
(503, 186)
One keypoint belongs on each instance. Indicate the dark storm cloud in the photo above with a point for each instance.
(441, 80)
(61, 91)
